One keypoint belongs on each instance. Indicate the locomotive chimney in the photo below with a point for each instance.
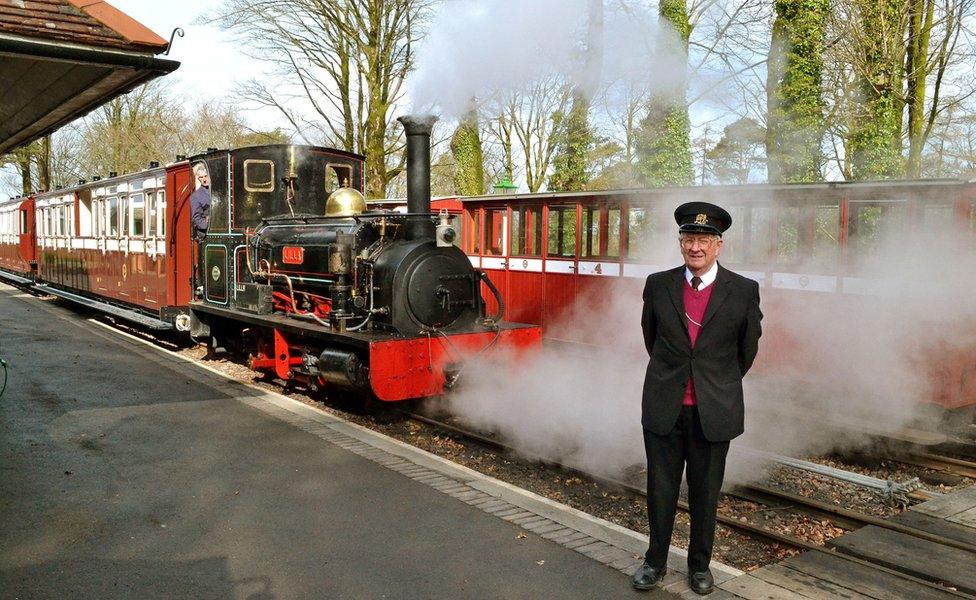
(417, 128)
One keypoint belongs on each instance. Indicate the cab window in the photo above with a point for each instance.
(259, 175)
(337, 176)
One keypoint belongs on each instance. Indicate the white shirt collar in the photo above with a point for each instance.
(707, 278)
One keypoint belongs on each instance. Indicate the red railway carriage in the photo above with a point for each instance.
(560, 259)
(118, 244)
(18, 251)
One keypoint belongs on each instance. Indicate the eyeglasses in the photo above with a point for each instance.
(703, 242)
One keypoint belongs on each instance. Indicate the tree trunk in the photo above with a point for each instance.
(795, 105)
(921, 14)
(875, 141)
(664, 140)
(44, 163)
(23, 159)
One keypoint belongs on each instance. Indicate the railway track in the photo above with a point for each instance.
(844, 518)
(749, 529)
(938, 462)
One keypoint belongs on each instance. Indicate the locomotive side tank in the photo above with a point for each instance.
(380, 302)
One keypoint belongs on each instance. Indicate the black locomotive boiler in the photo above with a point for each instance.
(381, 302)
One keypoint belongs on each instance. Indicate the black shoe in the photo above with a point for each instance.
(701, 582)
(646, 576)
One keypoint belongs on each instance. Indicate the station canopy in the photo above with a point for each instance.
(60, 59)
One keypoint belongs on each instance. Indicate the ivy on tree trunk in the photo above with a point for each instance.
(469, 172)
(795, 105)
(575, 140)
(875, 141)
(663, 141)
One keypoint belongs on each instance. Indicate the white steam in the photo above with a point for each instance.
(482, 50)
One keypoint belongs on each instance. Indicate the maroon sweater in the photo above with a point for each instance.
(696, 301)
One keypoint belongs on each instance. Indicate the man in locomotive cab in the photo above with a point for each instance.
(200, 202)
(701, 325)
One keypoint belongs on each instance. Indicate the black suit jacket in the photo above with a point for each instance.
(726, 346)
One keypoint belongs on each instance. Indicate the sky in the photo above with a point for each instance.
(210, 63)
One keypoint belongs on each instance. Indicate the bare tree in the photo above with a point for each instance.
(344, 63)
(530, 117)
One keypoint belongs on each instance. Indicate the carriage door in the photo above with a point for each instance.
(494, 259)
(525, 277)
(28, 235)
(560, 263)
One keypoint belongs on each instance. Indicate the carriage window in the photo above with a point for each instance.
(596, 237)
(113, 216)
(494, 231)
(474, 223)
(826, 236)
(69, 219)
(259, 175)
(151, 216)
(639, 232)
(84, 213)
(161, 212)
(99, 210)
(527, 231)
(936, 217)
(137, 210)
(590, 232)
(124, 215)
(871, 224)
(562, 231)
(757, 232)
(23, 222)
(613, 231)
(337, 176)
(789, 235)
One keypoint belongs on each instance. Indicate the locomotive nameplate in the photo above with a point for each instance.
(293, 255)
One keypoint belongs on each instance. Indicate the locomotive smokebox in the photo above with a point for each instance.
(418, 128)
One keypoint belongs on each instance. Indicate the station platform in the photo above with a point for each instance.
(130, 472)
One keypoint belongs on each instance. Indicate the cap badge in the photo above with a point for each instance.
(701, 219)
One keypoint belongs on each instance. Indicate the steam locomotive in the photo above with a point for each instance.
(293, 271)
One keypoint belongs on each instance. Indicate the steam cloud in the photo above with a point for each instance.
(492, 49)
(870, 357)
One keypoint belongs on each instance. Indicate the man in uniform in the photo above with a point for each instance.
(701, 325)
(200, 202)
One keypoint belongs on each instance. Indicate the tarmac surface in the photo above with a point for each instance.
(127, 473)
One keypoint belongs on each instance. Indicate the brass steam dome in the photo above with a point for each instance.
(345, 202)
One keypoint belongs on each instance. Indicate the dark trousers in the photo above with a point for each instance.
(666, 458)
